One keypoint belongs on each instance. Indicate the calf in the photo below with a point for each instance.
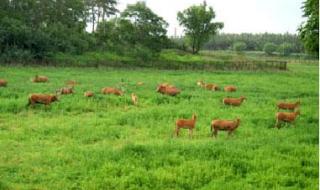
(168, 90)
(140, 83)
(230, 88)
(186, 124)
(208, 86)
(41, 99)
(234, 101)
(288, 106)
(66, 90)
(3, 83)
(88, 94)
(289, 117)
(38, 78)
(134, 99)
(224, 125)
(109, 90)
(71, 83)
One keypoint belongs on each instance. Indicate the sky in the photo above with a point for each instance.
(238, 16)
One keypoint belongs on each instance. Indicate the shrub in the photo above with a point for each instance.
(239, 46)
(269, 48)
(17, 55)
(143, 53)
(285, 49)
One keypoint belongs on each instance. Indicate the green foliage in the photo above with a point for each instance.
(142, 53)
(239, 46)
(197, 21)
(99, 10)
(309, 31)
(255, 42)
(107, 34)
(16, 37)
(107, 143)
(138, 32)
(148, 29)
(269, 48)
(285, 49)
(173, 59)
(178, 43)
(37, 29)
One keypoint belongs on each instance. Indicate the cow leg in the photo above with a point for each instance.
(212, 132)
(190, 133)
(32, 103)
(215, 132)
(277, 123)
(177, 131)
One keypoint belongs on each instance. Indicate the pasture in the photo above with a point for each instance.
(105, 142)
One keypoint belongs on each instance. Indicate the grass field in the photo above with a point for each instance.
(107, 143)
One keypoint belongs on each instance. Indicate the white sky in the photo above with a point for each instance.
(238, 16)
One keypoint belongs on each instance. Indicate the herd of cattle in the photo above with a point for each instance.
(167, 89)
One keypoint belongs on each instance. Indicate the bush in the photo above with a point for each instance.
(143, 53)
(269, 48)
(239, 46)
(17, 55)
(285, 49)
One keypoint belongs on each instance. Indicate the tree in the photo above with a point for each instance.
(255, 42)
(285, 49)
(197, 21)
(143, 27)
(36, 29)
(239, 47)
(269, 48)
(97, 9)
(309, 31)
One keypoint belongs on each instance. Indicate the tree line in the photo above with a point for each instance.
(34, 29)
(254, 42)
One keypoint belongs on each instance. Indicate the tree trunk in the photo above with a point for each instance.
(103, 14)
(193, 44)
(93, 18)
(103, 18)
(198, 46)
(99, 13)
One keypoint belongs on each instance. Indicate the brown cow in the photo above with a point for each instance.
(88, 94)
(288, 106)
(224, 125)
(234, 101)
(186, 124)
(168, 90)
(230, 88)
(110, 90)
(66, 90)
(134, 99)
(3, 83)
(42, 99)
(71, 83)
(286, 117)
(208, 86)
(38, 78)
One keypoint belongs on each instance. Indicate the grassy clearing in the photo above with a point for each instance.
(106, 143)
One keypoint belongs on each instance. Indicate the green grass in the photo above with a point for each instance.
(107, 143)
